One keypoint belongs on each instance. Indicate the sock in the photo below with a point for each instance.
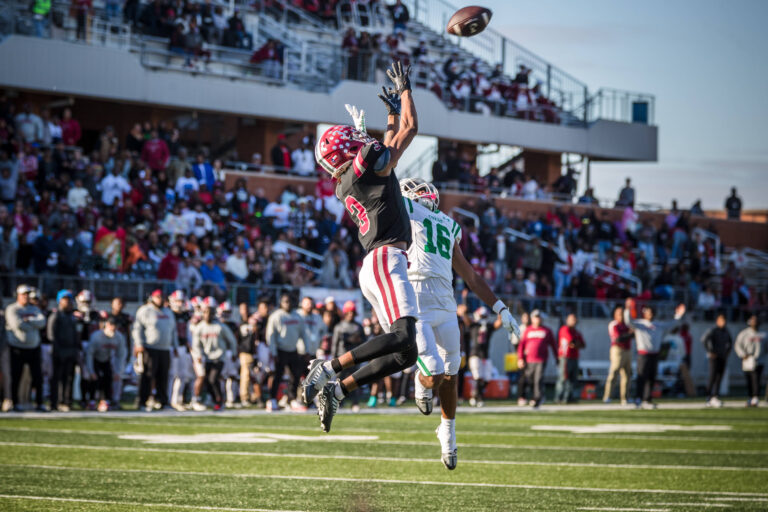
(333, 365)
(389, 395)
(450, 427)
(340, 390)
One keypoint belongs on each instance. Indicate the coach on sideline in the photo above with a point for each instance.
(23, 322)
(155, 335)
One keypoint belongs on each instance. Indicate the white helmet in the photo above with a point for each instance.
(178, 300)
(209, 303)
(83, 300)
(224, 310)
(420, 191)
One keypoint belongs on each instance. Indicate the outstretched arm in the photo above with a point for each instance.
(478, 285)
(399, 134)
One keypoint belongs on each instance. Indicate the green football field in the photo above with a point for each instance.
(680, 458)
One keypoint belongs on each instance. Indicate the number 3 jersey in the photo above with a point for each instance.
(430, 255)
(373, 201)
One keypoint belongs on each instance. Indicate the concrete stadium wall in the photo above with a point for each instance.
(68, 68)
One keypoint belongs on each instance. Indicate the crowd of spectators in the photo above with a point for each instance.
(143, 208)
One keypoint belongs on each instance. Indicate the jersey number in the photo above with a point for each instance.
(357, 211)
(443, 240)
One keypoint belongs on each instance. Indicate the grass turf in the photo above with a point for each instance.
(389, 462)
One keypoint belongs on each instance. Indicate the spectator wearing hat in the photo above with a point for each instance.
(211, 339)
(285, 329)
(154, 336)
(23, 322)
(533, 352)
(281, 154)
(347, 335)
(570, 341)
(104, 360)
(65, 340)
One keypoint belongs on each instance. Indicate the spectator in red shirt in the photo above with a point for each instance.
(569, 342)
(156, 153)
(533, 352)
(620, 355)
(169, 266)
(70, 129)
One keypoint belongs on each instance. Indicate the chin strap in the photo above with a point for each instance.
(358, 117)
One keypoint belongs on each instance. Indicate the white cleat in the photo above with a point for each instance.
(315, 380)
(648, 405)
(449, 456)
(197, 406)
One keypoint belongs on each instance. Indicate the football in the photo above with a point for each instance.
(469, 21)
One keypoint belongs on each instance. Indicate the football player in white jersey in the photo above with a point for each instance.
(433, 256)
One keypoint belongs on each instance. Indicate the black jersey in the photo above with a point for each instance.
(182, 326)
(374, 202)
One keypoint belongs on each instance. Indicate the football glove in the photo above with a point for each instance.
(400, 78)
(391, 101)
(507, 320)
(358, 117)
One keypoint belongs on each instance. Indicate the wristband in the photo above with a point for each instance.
(499, 306)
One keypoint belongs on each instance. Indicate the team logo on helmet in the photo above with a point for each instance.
(338, 146)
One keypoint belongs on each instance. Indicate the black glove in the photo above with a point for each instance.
(399, 77)
(391, 100)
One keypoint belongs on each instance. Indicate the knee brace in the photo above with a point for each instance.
(405, 331)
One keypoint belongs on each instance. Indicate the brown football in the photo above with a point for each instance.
(469, 21)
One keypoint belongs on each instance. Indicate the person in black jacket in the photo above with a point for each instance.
(62, 331)
(718, 343)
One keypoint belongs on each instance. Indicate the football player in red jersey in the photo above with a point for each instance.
(363, 168)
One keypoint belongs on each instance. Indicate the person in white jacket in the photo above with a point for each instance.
(752, 348)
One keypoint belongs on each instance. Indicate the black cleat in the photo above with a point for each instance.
(327, 404)
(450, 460)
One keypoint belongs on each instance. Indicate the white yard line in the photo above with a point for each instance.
(619, 509)
(461, 445)
(691, 504)
(553, 435)
(137, 503)
(381, 459)
(738, 499)
(745, 496)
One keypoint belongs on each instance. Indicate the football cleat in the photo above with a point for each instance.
(327, 405)
(450, 460)
(315, 380)
(425, 405)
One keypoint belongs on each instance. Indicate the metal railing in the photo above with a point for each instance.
(624, 106)
(468, 214)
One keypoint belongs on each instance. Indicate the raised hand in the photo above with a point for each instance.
(391, 100)
(400, 78)
(358, 116)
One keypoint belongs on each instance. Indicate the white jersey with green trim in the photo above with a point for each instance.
(430, 255)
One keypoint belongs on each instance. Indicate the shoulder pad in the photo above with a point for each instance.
(373, 156)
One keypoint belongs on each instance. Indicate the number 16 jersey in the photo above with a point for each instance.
(431, 253)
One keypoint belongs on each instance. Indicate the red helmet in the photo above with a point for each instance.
(338, 146)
